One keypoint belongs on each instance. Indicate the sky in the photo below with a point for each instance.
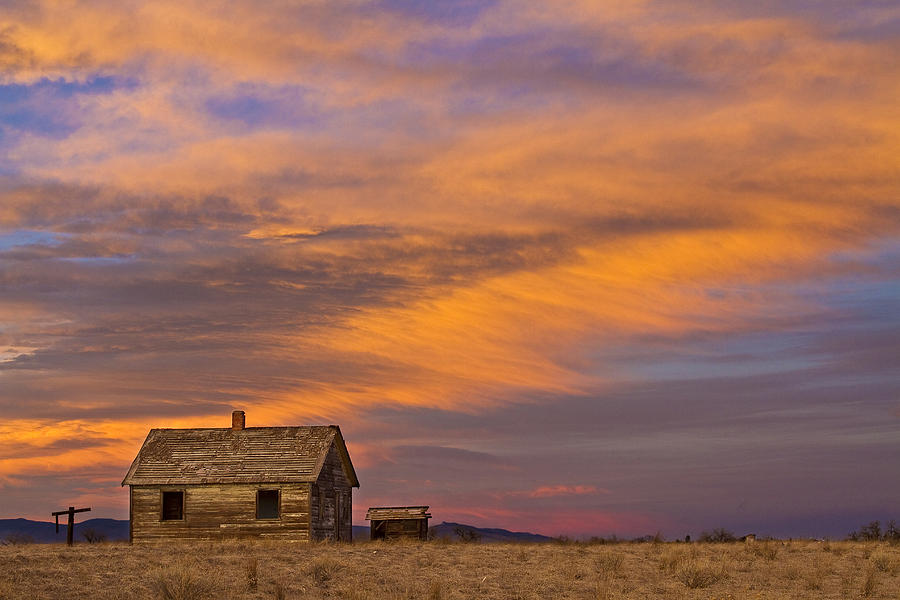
(580, 267)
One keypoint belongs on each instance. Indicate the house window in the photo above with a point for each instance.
(267, 504)
(172, 506)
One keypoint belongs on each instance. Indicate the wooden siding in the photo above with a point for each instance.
(220, 511)
(393, 529)
(330, 491)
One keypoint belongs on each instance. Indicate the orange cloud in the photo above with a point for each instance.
(400, 212)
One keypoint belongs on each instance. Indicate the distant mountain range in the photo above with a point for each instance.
(24, 530)
(458, 531)
(484, 534)
(113, 530)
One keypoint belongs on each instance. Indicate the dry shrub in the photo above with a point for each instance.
(181, 582)
(252, 574)
(812, 581)
(884, 562)
(766, 550)
(669, 561)
(610, 562)
(92, 536)
(324, 569)
(16, 539)
(699, 573)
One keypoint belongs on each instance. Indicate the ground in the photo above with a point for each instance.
(376, 570)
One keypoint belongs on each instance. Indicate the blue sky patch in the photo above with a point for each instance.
(259, 105)
(25, 237)
(49, 106)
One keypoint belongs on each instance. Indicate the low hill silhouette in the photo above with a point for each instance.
(43, 532)
(114, 530)
(452, 532)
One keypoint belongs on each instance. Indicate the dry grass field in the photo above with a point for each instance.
(251, 570)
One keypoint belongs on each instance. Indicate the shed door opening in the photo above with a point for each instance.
(172, 506)
(267, 504)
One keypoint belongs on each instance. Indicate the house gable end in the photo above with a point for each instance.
(337, 444)
(137, 459)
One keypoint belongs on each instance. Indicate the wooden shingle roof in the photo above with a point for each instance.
(249, 455)
(389, 513)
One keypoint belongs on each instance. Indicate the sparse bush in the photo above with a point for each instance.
(92, 536)
(884, 562)
(597, 540)
(867, 533)
(892, 533)
(467, 536)
(16, 539)
(718, 535)
(181, 583)
(873, 533)
(435, 591)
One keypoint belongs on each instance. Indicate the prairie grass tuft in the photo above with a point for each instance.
(870, 582)
(181, 583)
(603, 590)
(766, 550)
(324, 569)
(812, 580)
(610, 562)
(435, 592)
(699, 573)
(884, 562)
(278, 591)
(252, 574)
(669, 561)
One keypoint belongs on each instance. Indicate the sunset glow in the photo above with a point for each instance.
(574, 268)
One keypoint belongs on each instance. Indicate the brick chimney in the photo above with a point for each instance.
(237, 420)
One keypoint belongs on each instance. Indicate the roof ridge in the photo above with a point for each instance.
(204, 455)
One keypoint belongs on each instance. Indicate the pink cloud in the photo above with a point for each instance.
(547, 491)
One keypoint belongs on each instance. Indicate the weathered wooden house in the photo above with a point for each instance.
(291, 483)
(395, 522)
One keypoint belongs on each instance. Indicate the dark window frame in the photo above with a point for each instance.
(162, 505)
(277, 516)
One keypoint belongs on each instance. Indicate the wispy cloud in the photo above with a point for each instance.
(488, 221)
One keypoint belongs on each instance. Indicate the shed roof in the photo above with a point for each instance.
(249, 455)
(387, 513)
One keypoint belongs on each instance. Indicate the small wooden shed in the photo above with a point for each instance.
(395, 522)
(290, 483)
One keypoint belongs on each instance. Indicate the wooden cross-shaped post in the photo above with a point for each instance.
(70, 534)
